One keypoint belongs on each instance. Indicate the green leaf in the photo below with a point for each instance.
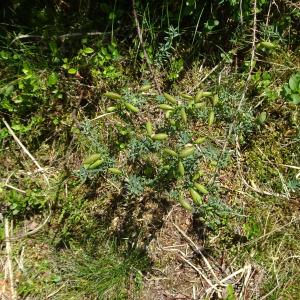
(88, 50)
(15, 212)
(4, 55)
(294, 82)
(53, 79)
(56, 278)
(286, 90)
(262, 117)
(16, 127)
(104, 51)
(72, 71)
(295, 98)
(111, 16)
(8, 90)
(267, 45)
(230, 293)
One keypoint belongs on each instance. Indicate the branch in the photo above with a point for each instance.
(140, 35)
(31, 232)
(291, 4)
(9, 260)
(254, 29)
(61, 37)
(25, 150)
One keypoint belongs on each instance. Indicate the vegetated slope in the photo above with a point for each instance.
(157, 169)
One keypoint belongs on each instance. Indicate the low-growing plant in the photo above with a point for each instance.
(17, 204)
(163, 157)
(101, 58)
(106, 274)
(291, 90)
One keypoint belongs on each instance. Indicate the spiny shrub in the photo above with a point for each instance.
(161, 152)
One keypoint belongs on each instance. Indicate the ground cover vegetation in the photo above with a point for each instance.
(150, 149)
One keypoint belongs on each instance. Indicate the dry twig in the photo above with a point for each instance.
(292, 4)
(243, 97)
(197, 250)
(234, 274)
(9, 260)
(14, 188)
(205, 77)
(6, 184)
(61, 37)
(40, 169)
(212, 286)
(140, 35)
(33, 231)
(102, 116)
(55, 292)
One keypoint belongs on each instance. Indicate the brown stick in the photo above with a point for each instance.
(246, 86)
(9, 260)
(140, 35)
(40, 169)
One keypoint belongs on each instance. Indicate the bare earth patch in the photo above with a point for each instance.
(183, 269)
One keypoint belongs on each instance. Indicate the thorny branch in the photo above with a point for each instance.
(140, 35)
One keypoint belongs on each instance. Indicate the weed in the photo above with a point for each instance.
(135, 186)
(291, 90)
(165, 49)
(16, 204)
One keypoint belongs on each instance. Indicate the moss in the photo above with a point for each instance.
(266, 155)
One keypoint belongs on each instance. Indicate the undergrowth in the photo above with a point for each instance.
(118, 155)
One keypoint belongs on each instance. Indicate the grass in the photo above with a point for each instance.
(106, 275)
(95, 246)
(75, 273)
(111, 235)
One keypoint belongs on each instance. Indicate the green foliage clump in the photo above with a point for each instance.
(16, 204)
(291, 90)
(156, 157)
